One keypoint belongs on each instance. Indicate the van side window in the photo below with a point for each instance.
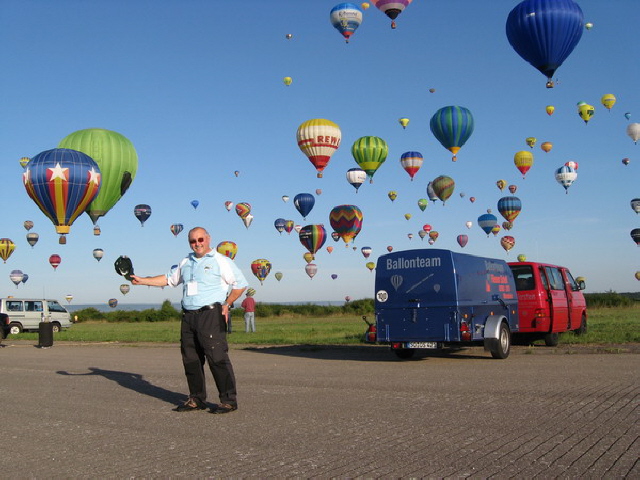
(555, 278)
(523, 275)
(545, 283)
(572, 282)
(56, 307)
(33, 306)
(14, 306)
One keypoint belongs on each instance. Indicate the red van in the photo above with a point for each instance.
(550, 301)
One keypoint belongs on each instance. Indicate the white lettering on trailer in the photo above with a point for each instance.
(417, 262)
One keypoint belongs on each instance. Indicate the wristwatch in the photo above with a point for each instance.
(224, 304)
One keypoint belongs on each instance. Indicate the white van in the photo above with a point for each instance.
(25, 314)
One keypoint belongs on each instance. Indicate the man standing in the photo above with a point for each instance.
(249, 306)
(210, 283)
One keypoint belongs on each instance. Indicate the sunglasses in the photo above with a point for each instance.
(196, 240)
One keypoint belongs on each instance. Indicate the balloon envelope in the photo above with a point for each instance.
(176, 228)
(227, 248)
(356, 177)
(509, 207)
(6, 248)
(370, 153)
(346, 18)
(318, 139)
(346, 220)
(452, 126)
(261, 268)
(411, 162)
(443, 187)
(98, 253)
(304, 203)
(312, 237)
(142, 213)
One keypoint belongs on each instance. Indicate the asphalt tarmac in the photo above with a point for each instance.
(105, 410)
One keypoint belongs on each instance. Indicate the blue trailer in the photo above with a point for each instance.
(433, 299)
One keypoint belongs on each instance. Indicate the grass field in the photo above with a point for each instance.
(617, 325)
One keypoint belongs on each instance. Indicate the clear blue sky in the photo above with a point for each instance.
(197, 87)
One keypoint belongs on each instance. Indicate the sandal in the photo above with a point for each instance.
(191, 404)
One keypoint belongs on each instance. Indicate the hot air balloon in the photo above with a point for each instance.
(509, 208)
(227, 248)
(318, 191)
(512, 188)
(635, 205)
(422, 234)
(422, 204)
(16, 277)
(468, 224)
(125, 288)
(96, 230)
(507, 242)
(633, 130)
(261, 268)
(507, 225)
(279, 223)
(55, 260)
(531, 141)
(452, 126)
(565, 176)
(407, 216)
(370, 153)
(433, 236)
(389, 248)
(371, 265)
(486, 222)
(627, 115)
(32, 238)
(304, 203)
(28, 225)
(312, 237)
(496, 229)
(335, 236)
(462, 240)
(288, 226)
(118, 162)
(545, 32)
(308, 257)
(346, 18)
(68, 297)
(573, 164)
(472, 199)
(311, 269)
(431, 193)
(25, 278)
(392, 195)
(236, 173)
(113, 302)
(586, 111)
(329, 249)
(550, 109)
(356, 177)
(24, 161)
(501, 184)
(278, 276)
(62, 182)
(346, 220)
(404, 122)
(287, 81)
(6, 248)
(98, 253)
(392, 8)
(228, 205)
(522, 257)
(247, 220)
(608, 100)
(626, 161)
(243, 209)
(176, 228)
(411, 162)
(142, 213)
(523, 161)
(635, 235)
(546, 146)
(638, 275)
(334, 276)
(366, 251)
(426, 227)
(443, 187)
(318, 139)
(285, 198)
(194, 204)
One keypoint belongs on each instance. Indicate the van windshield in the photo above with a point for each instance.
(523, 275)
(56, 307)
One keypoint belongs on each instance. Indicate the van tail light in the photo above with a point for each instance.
(465, 333)
(396, 345)
(540, 313)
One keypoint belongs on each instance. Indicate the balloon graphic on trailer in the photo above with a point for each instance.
(545, 32)
(370, 153)
(346, 18)
(346, 220)
(142, 213)
(452, 126)
(318, 139)
(261, 268)
(118, 162)
(62, 183)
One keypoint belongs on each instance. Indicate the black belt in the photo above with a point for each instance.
(202, 309)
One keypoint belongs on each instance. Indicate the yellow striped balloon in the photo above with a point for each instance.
(370, 153)
(319, 139)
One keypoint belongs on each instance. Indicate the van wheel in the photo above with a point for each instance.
(55, 327)
(502, 346)
(15, 328)
(582, 329)
(551, 339)
(404, 353)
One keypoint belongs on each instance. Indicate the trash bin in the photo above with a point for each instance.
(45, 334)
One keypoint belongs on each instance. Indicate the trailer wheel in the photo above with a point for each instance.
(551, 339)
(404, 353)
(502, 346)
(582, 329)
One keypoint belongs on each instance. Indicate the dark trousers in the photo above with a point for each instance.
(203, 335)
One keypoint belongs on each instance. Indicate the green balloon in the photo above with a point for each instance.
(370, 153)
(117, 159)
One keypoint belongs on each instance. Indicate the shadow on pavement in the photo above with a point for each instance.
(361, 353)
(135, 382)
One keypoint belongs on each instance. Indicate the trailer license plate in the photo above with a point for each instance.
(422, 345)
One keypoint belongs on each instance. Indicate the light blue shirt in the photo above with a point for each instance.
(213, 275)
